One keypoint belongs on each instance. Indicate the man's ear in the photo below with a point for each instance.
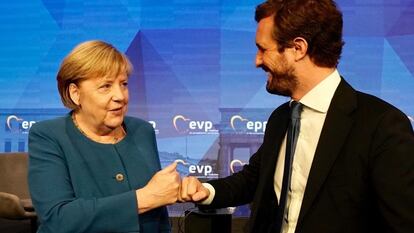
(74, 93)
(300, 46)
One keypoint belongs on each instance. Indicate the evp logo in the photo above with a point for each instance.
(185, 125)
(199, 170)
(240, 124)
(16, 124)
(236, 165)
(154, 125)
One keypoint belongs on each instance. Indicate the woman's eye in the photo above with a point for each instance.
(125, 84)
(105, 86)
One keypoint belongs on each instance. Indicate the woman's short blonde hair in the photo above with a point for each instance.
(90, 59)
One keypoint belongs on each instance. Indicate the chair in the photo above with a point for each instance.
(15, 202)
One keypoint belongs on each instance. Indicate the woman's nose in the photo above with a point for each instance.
(118, 93)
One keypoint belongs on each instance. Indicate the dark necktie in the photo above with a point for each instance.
(292, 138)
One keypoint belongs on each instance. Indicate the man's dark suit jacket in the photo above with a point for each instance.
(361, 179)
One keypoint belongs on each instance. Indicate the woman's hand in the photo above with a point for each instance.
(162, 189)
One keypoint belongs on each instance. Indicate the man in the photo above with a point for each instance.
(352, 169)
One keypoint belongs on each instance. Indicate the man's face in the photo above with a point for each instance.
(281, 78)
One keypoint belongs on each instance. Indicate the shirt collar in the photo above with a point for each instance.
(319, 98)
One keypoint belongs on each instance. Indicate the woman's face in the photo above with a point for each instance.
(103, 101)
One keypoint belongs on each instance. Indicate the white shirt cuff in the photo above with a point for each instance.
(212, 194)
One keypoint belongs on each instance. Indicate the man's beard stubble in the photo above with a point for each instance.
(281, 83)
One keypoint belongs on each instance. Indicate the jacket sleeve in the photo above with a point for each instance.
(392, 171)
(241, 187)
(165, 222)
(54, 199)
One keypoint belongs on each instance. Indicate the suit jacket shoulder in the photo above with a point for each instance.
(363, 161)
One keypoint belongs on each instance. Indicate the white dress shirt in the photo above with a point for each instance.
(315, 106)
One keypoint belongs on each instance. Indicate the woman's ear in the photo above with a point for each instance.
(74, 93)
(300, 46)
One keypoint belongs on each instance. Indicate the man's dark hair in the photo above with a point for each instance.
(319, 22)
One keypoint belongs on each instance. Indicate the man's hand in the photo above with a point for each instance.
(192, 190)
(162, 189)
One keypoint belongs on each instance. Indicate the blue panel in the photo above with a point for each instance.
(21, 147)
(56, 9)
(7, 146)
(361, 63)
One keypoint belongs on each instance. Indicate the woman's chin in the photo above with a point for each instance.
(115, 122)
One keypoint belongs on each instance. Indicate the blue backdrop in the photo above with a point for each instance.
(194, 77)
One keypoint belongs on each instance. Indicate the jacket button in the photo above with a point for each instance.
(119, 177)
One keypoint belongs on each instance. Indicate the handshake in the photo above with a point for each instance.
(166, 187)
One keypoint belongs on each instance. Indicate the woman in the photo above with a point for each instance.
(95, 170)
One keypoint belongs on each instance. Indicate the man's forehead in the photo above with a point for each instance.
(264, 32)
(265, 25)
(269, 19)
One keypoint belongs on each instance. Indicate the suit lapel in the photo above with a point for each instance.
(265, 197)
(334, 133)
(278, 132)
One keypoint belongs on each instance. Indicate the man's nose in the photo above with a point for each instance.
(259, 59)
